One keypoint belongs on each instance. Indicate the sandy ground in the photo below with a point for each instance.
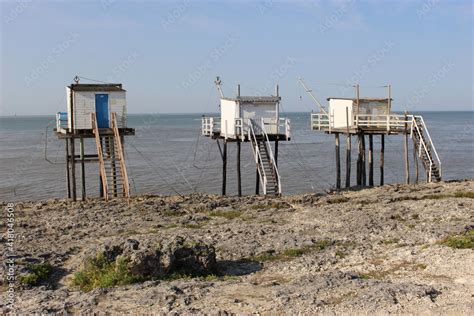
(381, 252)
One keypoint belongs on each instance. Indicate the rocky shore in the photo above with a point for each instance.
(390, 249)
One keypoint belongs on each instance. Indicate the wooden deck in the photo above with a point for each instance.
(367, 130)
(392, 124)
(245, 138)
(89, 133)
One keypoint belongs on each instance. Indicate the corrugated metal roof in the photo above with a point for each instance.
(255, 99)
(361, 99)
(97, 87)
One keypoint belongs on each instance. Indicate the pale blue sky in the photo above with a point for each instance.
(167, 53)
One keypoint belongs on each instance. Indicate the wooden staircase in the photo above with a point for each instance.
(266, 165)
(113, 172)
(426, 150)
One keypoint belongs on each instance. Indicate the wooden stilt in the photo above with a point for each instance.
(363, 167)
(257, 182)
(73, 169)
(382, 154)
(68, 167)
(276, 152)
(407, 166)
(348, 151)
(415, 162)
(371, 161)
(338, 163)
(359, 160)
(224, 168)
(101, 183)
(122, 141)
(239, 180)
(83, 170)
(348, 160)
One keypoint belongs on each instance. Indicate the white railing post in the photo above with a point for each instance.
(225, 134)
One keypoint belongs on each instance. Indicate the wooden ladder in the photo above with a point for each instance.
(112, 167)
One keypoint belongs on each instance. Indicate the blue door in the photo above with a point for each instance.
(102, 110)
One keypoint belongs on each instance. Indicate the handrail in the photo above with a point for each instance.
(272, 158)
(100, 156)
(430, 140)
(421, 138)
(258, 157)
(207, 126)
(253, 126)
(126, 187)
(326, 121)
(322, 121)
(239, 128)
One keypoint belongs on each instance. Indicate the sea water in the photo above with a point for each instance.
(169, 156)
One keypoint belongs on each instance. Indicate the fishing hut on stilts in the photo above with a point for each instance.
(255, 120)
(361, 117)
(97, 112)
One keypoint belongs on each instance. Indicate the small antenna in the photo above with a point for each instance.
(76, 79)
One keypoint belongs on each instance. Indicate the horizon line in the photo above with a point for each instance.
(203, 113)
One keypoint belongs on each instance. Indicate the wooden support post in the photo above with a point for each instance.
(257, 178)
(239, 179)
(224, 168)
(363, 167)
(338, 163)
(407, 166)
(276, 152)
(371, 160)
(382, 154)
(257, 182)
(101, 187)
(359, 160)
(68, 166)
(73, 169)
(348, 160)
(101, 184)
(122, 141)
(348, 151)
(83, 170)
(415, 161)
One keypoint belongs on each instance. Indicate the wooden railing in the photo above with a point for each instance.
(119, 149)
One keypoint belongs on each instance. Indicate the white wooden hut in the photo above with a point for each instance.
(373, 116)
(98, 112)
(237, 114)
(86, 99)
(254, 119)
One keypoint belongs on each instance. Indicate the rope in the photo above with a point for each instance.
(127, 161)
(299, 152)
(92, 80)
(348, 85)
(46, 146)
(150, 164)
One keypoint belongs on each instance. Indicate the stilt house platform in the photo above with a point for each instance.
(98, 112)
(253, 119)
(373, 116)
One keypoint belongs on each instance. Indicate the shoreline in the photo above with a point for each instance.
(367, 250)
(141, 196)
